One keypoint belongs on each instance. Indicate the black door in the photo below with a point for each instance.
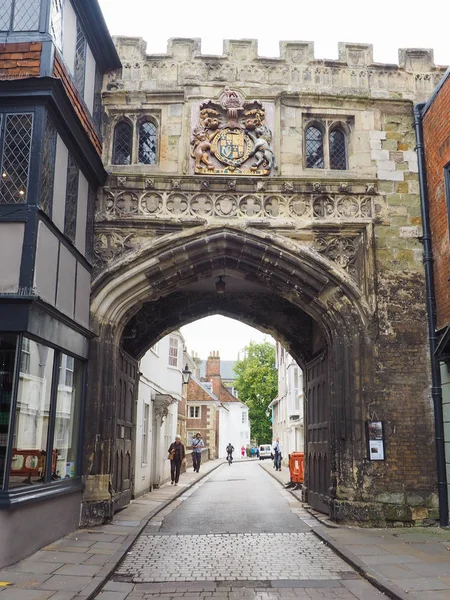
(317, 437)
(123, 456)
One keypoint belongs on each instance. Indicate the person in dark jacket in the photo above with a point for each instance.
(177, 455)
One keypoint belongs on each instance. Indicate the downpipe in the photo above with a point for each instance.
(436, 389)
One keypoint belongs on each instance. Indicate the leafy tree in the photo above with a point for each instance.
(257, 385)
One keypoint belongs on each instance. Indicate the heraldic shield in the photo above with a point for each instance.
(232, 146)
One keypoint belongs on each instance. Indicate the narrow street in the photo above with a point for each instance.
(236, 534)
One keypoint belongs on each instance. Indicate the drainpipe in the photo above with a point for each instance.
(436, 389)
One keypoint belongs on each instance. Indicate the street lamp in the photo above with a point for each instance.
(186, 374)
(220, 285)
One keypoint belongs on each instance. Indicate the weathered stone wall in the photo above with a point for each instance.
(360, 227)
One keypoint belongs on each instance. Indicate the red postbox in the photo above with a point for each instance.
(296, 466)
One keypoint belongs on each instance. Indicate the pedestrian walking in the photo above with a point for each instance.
(197, 445)
(277, 455)
(177, 455)
(243, 451)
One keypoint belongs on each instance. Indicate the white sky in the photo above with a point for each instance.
(220, 333)
(387, 24)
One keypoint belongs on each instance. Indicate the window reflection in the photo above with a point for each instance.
(7, 360)
(67, 419)
(29, 451)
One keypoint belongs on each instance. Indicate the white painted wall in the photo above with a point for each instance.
(287, 407)
(232, 429)
(157, 377)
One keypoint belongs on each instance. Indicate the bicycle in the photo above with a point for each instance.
(229, 459)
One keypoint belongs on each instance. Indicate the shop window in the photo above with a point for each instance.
(16, 131)
(19, 15)
(7, 360)
(45, 417)
(173, 351)
(31, 419)
(123, 137)
(147, 143)
(195, 412)
(56, 23)
(80, 59)
(70, 215)
(67, 418)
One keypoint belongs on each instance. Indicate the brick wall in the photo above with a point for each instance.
(18, 61)
(60, 72)
(436, 131)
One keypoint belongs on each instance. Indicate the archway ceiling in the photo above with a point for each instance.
(267, 312)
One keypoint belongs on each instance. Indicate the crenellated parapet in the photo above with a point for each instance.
(296, 70)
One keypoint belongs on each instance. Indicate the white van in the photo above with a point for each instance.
(265, 451)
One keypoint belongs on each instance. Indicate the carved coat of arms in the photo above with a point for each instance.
(232, 137)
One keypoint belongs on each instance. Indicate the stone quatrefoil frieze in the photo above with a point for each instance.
(205, 204)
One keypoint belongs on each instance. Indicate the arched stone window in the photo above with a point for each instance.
(314, 148)
(147, 143)
(123, 141)
(338, 149)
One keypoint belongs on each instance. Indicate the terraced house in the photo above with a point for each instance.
(283, 192)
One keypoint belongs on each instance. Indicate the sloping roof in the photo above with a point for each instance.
(226, 369)
(205, 388)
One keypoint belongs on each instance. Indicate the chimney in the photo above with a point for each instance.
(213, 365)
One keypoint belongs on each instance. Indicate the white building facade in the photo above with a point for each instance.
(160, 391)
(287, 407)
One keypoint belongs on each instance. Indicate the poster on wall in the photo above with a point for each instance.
(375, 438)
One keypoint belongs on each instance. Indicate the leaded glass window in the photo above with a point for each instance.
(15, 164)
(338, 153)
(56, 22)
(5, 14)
(48, 166)
(89, 248)
(147, 143)
(80, 59)
(123, 136)
(26, 15)
(70, 216)
(314, 148)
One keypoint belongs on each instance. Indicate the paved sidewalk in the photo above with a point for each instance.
(77, 565)
(405, 563)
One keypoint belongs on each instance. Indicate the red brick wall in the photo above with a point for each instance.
(60, 72)
(18, 61)
(436, 131)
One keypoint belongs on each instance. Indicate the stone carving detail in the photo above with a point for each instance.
(182, 203)
(149, 184)
(341, 250)
(109, 245)
(230, 133)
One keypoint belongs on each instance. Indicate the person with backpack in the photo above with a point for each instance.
(197, 446)
(277, 455)
(230, 450)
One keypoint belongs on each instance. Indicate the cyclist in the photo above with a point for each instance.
(230, 449)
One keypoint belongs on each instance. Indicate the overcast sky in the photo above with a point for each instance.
(387, 24)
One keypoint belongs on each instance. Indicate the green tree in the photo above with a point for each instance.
(257, 385)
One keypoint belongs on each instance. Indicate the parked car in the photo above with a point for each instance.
(265, 451)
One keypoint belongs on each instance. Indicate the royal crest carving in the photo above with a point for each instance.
(230, 133)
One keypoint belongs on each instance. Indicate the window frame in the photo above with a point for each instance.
(49, 486)
(122, 121)
(140, 123)
(327, 124)
(195, 408)
(173, 356)
(135, 121)
(319, 127)
(40, 19)
(4, 116)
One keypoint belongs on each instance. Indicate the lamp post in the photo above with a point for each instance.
(186, 374)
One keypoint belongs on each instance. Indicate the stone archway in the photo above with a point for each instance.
(274, 284)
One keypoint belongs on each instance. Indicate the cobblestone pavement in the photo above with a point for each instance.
(173, 560)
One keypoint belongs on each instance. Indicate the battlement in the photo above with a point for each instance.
(291, 52)
(296, 70)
